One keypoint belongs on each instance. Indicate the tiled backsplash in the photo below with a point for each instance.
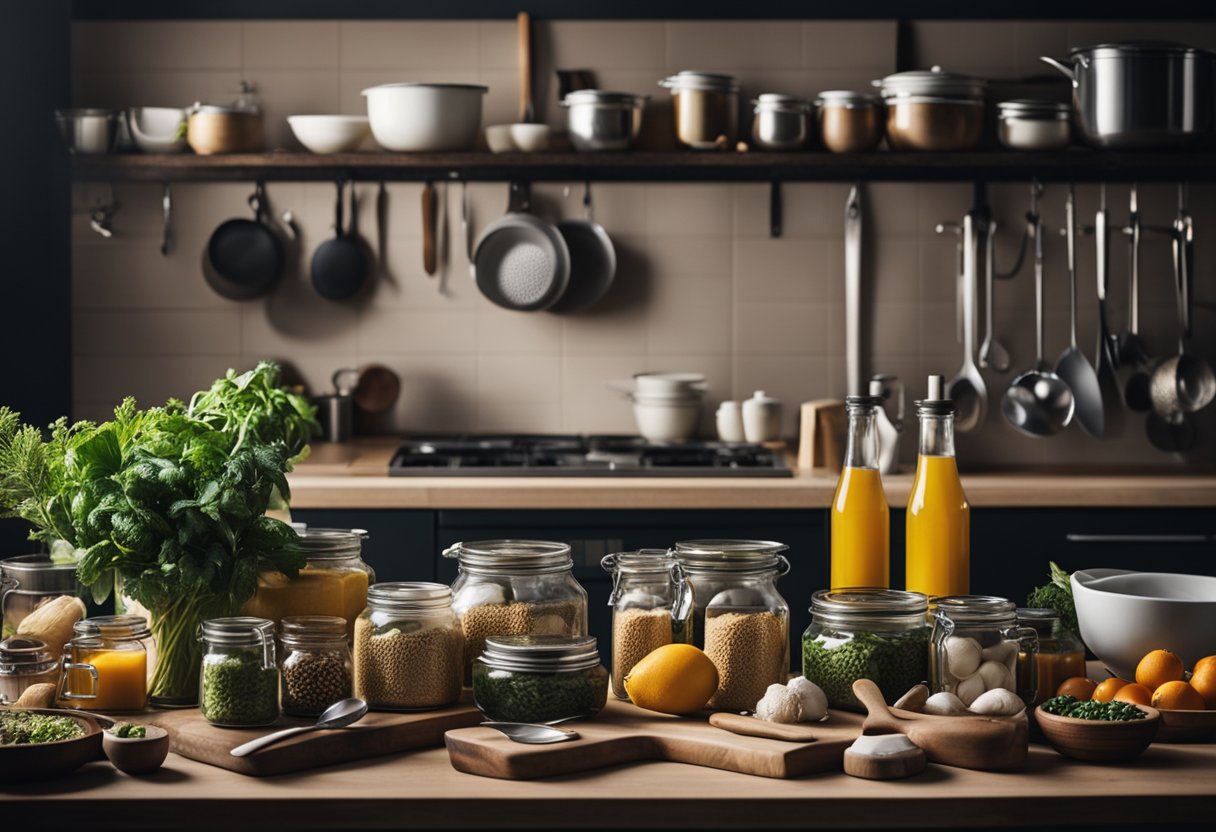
(700, 286)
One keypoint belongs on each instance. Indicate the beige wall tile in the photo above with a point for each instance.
(793, 379)
(604, 44)
(159, 333)
(610, 333)
(290, 44)
(497, 44)
(588, 404)
(507, 332)
(893, 327)
(518, 417)
(519, 379)
(796, 328)
(963, 46)
(293, 92)
(708, 257)
(121, 88)
(894, 269)
(414, 44)
(688, 210)
(136, 276)
(152, 380)
(412, 332)
(297, 320)
(352, 81)
(787, 270)
(689, 315)
(712, 44)
(831, 44)
(438, 392)
(156, 45)
(807, 210)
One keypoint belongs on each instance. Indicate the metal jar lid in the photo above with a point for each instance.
(541, 654)
(847, 99)
(777, 103)
(695, 80)
(125, 627)
(1034, 109)
(23, 656)
(738, 556)
(238, 631)
(604, 98)
(303, 630)
(409, 595)
(332, 544)
(875, 603)
(975, 609)
(490, 557)
(932, 82)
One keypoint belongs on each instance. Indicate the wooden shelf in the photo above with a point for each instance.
(1076, 165)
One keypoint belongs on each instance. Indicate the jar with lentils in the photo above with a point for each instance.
(515, 588)
(540, 678)
(740, 619)
(651, 606)
(409, 649)
(316, 669)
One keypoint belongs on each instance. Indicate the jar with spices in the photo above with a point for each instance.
(975, 647)
(651, 606)
(105, 665)
(239, 683)
(515, 588)
(866, 633)
(1061, 654)
(539, 678)
(24, 662)
(316, 669)
(334, 580)
(409, 649)
(740, 619)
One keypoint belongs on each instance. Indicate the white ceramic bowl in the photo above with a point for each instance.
(667, 421)
(1124, 615)
(530, 138)
(668, 383)
(498, 138)
(413, 118)
(155, 129)
(330, 134)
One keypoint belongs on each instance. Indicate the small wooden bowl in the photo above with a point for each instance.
(137, 755)
(1096, 740)
(1187, 726)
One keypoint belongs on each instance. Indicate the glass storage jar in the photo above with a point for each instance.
(316, 669)
(515, 588)
(409, 649)
(24, 662)
(105, 665)
(975, 648)
(739, 618)
(539, 678)
(866, 633)
(239, 681)
(651, 606)
(1061, 654)
(28, 580)
(334, 580)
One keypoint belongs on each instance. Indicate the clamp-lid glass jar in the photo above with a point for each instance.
(105, 665)
(539, 678)
(651, 606)
(866, 633)
(976, 645)
(239, 681)
(409, 649)
(1061, 654)
(316, 669)
(849, 122)
(515, 588)
(740, 619)
(24, 662)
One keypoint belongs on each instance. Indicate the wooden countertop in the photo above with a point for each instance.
(353, 476)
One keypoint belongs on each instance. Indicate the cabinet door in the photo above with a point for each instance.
(400, 545)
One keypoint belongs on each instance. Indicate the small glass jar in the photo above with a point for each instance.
(239, 682)
(540, 678)
(866, 633)
(24, 662)
(409, 649)
(334, 580)
(28, 580)
(651, 606)
(849, 122)
(515, 588)
(976, 645)
(1061, 654)
(740, 619)
(316, 669)
(105, 665)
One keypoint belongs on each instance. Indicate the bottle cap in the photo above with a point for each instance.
(935, 402)
(852, 402)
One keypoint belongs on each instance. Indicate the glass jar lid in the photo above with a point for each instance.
(779, 103)
(1033, 108)
(332, 544)
(736, 556)
(604, 98)
(871, 603)
(1043, 620)
(21, 656)
(238, 631)
(525, 557)
(301, 630)
(975, 609)
(641, 561)
(691, 79)
(541, 654)
(125, 627)
(932, 82)
(847, 98)
(409, 595)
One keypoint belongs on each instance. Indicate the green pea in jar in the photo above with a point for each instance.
(239, 681)
(539, 678)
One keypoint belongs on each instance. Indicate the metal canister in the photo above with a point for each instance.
(601, 120)
(780, 122)
(26, 581)
(706, 108)
(849, 122)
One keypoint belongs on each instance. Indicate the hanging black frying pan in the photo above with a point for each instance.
(339, 266)
(244, 257)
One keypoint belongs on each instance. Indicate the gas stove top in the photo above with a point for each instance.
(579, 456)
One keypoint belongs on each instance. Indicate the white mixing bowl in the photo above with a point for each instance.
(330, 134)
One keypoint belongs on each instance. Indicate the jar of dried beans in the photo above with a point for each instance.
(409, 649)
(515, 588)
(739, 618)
(316, 669)
(651, 606)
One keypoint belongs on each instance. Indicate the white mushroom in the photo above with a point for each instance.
(1005, 652)
(996, 675)
(814, 702)
(970, 688)
(998, 702)
(779, 704)
(944, 704)
(962, 656)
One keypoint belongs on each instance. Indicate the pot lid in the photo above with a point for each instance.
(846, 98)
(1034, 108)
(778, 101)
(691, 79)
(604, 97)
(935, 82)
(1139, 47)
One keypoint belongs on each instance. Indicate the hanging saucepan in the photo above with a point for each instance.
(592, 259)
(339, 266)
(520, 262)
(244, 257)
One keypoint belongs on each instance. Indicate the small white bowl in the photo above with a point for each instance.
(498, 138)
(330, 134)
(530, 138)
(668, 383)
(667, 422)
(155, 129)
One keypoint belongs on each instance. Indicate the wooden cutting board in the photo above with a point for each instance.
(376, 735)
(624, 733)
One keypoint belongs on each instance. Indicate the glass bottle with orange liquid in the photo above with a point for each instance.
(938, 554)
(861, 518)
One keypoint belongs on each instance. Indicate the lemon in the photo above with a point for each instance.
(674, 679)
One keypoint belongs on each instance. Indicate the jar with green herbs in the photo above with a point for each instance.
(866, 633)
(540, 678)
(239, 681)
(316, 669)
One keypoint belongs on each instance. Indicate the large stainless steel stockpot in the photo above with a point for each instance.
(1142, 94)
(601, 120)
(706, 109)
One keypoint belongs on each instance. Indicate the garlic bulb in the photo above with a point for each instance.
(944, 704)
(780, 704)
(813, 700)
(963, 656)
(998, 702)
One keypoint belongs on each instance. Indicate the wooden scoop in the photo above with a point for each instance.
(979, 742)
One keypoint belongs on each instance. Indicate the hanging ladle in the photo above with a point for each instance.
(993, 355)
(967, 388)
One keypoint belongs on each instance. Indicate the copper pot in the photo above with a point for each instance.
(926, 123)
(214, 129)
(849, 122)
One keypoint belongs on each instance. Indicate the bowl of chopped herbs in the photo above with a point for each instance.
(136, 749)
(1100, 732)
(38, 744)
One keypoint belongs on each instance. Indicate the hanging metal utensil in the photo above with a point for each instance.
(430, 243)
(102, 216)
(993, 355)
(967, 389)
(1072, 365)
(775, 220)
(592, 259)
(1133, 352)
(1106, 360)
(166, 203)
(852, 291)
(466, 226)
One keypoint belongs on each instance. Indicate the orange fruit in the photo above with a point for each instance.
(1135, 693)
(1203, 679)
(1077, 686)
(1157, 668)
(1107, 689)
(1177, 696)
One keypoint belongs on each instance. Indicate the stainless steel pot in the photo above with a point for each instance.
(88, 130)
(1141, 95)
(1028, 124)
(706, 108)
(600, 120)
(780, 122)
(933, 110)
(849, 122)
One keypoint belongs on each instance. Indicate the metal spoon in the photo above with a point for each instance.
(1072, 365)
(1133, 352)
(530, 733)
(1106, 360)
(338, 715)
(993, 355)
(967, 388)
